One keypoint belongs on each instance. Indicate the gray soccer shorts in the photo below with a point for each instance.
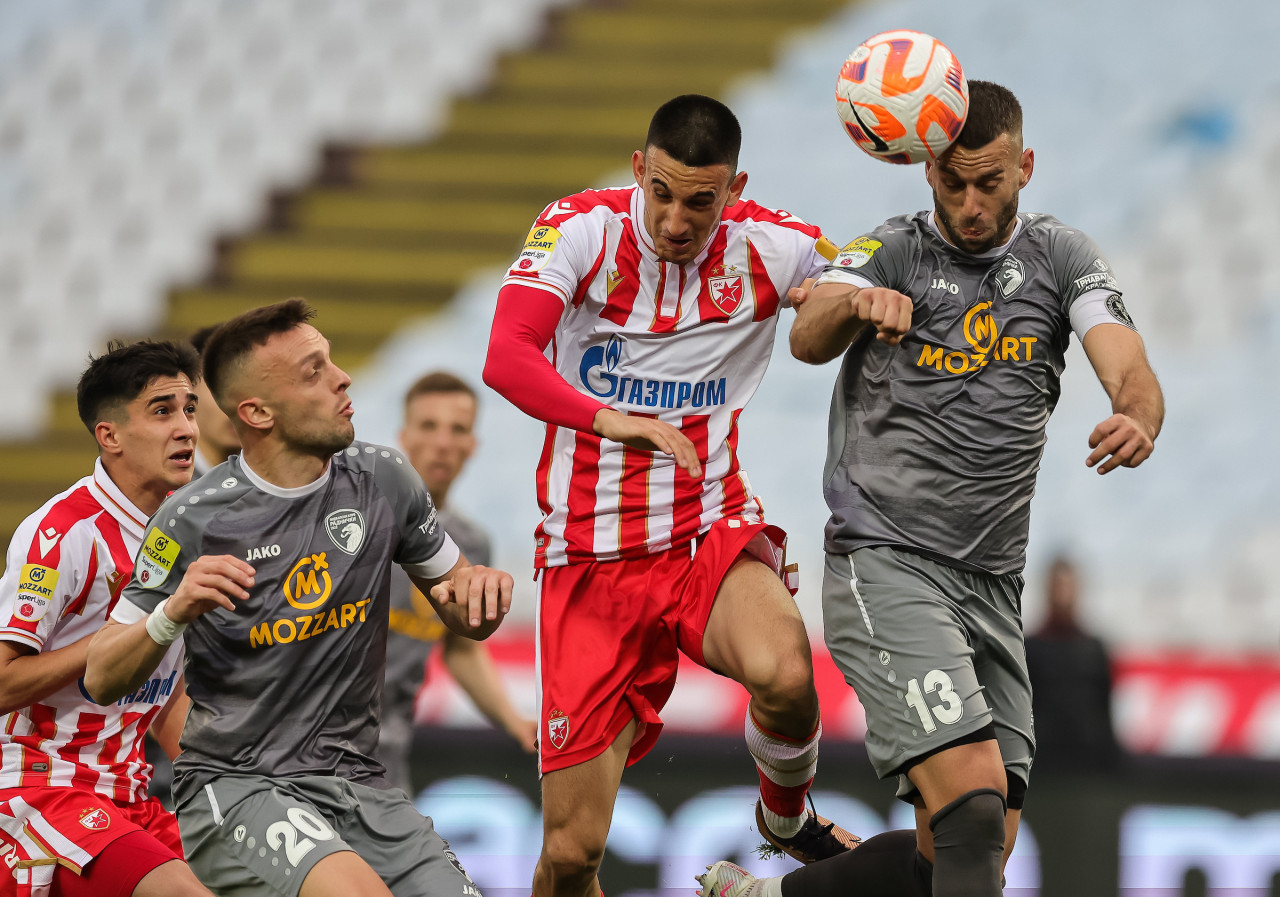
(252, 836)
(934, 653)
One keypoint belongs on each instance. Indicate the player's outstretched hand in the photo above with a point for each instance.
(1121, 441)
(650, 435)
(211, 581)
(888, 311)
(482, 592)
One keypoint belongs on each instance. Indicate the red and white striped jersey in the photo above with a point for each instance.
(67, 564)
(687, 344)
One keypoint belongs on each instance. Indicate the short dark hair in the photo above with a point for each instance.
(696, 131)
(232, 340)
(201, 337)
(119, 376)
(439, 382)
(993, 110)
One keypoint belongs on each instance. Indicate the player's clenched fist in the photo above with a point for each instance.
(482, 592)
(650, 435)
(888, 311)
(210, 581)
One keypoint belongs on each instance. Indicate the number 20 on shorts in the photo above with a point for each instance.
(948, 712)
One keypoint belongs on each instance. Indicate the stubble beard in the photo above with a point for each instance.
(952, 231)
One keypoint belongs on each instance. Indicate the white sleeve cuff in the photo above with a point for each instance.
(127, 612)
(439, 564)
(837, 275)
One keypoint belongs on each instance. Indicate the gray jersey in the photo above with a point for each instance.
(411, 637)
(290, 683)
(935, 443)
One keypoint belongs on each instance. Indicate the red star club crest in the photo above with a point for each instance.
(726, 292)
(557, 729)
(95, 818)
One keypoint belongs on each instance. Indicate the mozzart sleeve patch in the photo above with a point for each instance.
(156, 558)
(36, 585)
(538, 247)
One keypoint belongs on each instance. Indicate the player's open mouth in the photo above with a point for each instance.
(183, 458)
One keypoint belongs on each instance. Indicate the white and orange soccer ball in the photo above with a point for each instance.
(902, 97)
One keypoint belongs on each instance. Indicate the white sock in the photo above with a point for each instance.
(782, 826)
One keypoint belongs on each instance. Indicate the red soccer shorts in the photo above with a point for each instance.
(609, 633)
(69, 827)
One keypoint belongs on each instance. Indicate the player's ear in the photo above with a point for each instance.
(928, 172)
(1025, 166)
(736, 186)
(254, 414)
(107, 433)
(637, 166)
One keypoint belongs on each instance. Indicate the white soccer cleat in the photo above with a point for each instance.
(725, 879)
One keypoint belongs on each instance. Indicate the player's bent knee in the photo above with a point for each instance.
(570, 855)
(968, 844)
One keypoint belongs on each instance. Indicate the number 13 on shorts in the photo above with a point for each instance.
(949, 711)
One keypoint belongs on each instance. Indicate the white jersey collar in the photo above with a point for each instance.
(108, 494)
(281, 491)
(993, 252)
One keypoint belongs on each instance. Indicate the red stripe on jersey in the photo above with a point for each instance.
(666, 323)
(44, 728)
(686, 511)
(708, 311)
(624, 279)
(135, 730)
(766, 294)
(579, 528)
(120, 556)
(77, 604)
(89, 728)
(633, 494)
(618, 200)
(735, 490)
(585, 283)
(109, 756)
(60, 518)
(543, 487)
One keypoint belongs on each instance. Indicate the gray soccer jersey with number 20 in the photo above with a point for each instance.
(935, 443)
(290, 683)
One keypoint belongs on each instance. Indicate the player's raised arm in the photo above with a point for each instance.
(132, 643)
(833, 315)
(1127, 437)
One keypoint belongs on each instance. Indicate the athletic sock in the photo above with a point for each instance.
(887, 865)
(786, 768)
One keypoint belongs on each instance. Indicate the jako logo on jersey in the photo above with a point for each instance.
(156, 558)
(599, 374)
(266, 551)
(308, 577)
(558, 728)
(983, 336)
(346, 529)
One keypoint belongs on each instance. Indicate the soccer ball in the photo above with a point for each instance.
(902, 97)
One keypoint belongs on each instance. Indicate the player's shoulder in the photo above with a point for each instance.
(58, 522)
(387, 466)
(191, 508)
(607, 202)
(750, 213)
(1069, 248)
(1051, 230)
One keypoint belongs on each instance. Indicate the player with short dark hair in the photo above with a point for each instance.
(438, 437)
(953, 324)
(218, 439)
(663, 300)
(74, 811)
(275, 570)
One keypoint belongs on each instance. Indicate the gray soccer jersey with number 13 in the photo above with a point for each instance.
(291, 682)
(935, 443)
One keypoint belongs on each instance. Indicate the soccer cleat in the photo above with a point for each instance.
(725, 879)
(818, 838)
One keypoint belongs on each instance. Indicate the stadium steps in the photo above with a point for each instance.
(387, 234)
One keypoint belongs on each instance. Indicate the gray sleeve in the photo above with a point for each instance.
(882, 257)
(173, 540)
(424, 547)
(1082, 273)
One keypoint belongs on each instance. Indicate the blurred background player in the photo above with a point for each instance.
(1070, 672)
(285, 655)
(218, 439)
(438, 438)
(73, 779)
(663, 300)
(953, 323)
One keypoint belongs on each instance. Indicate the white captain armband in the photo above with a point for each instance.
(1098, 307)
(162, 630)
